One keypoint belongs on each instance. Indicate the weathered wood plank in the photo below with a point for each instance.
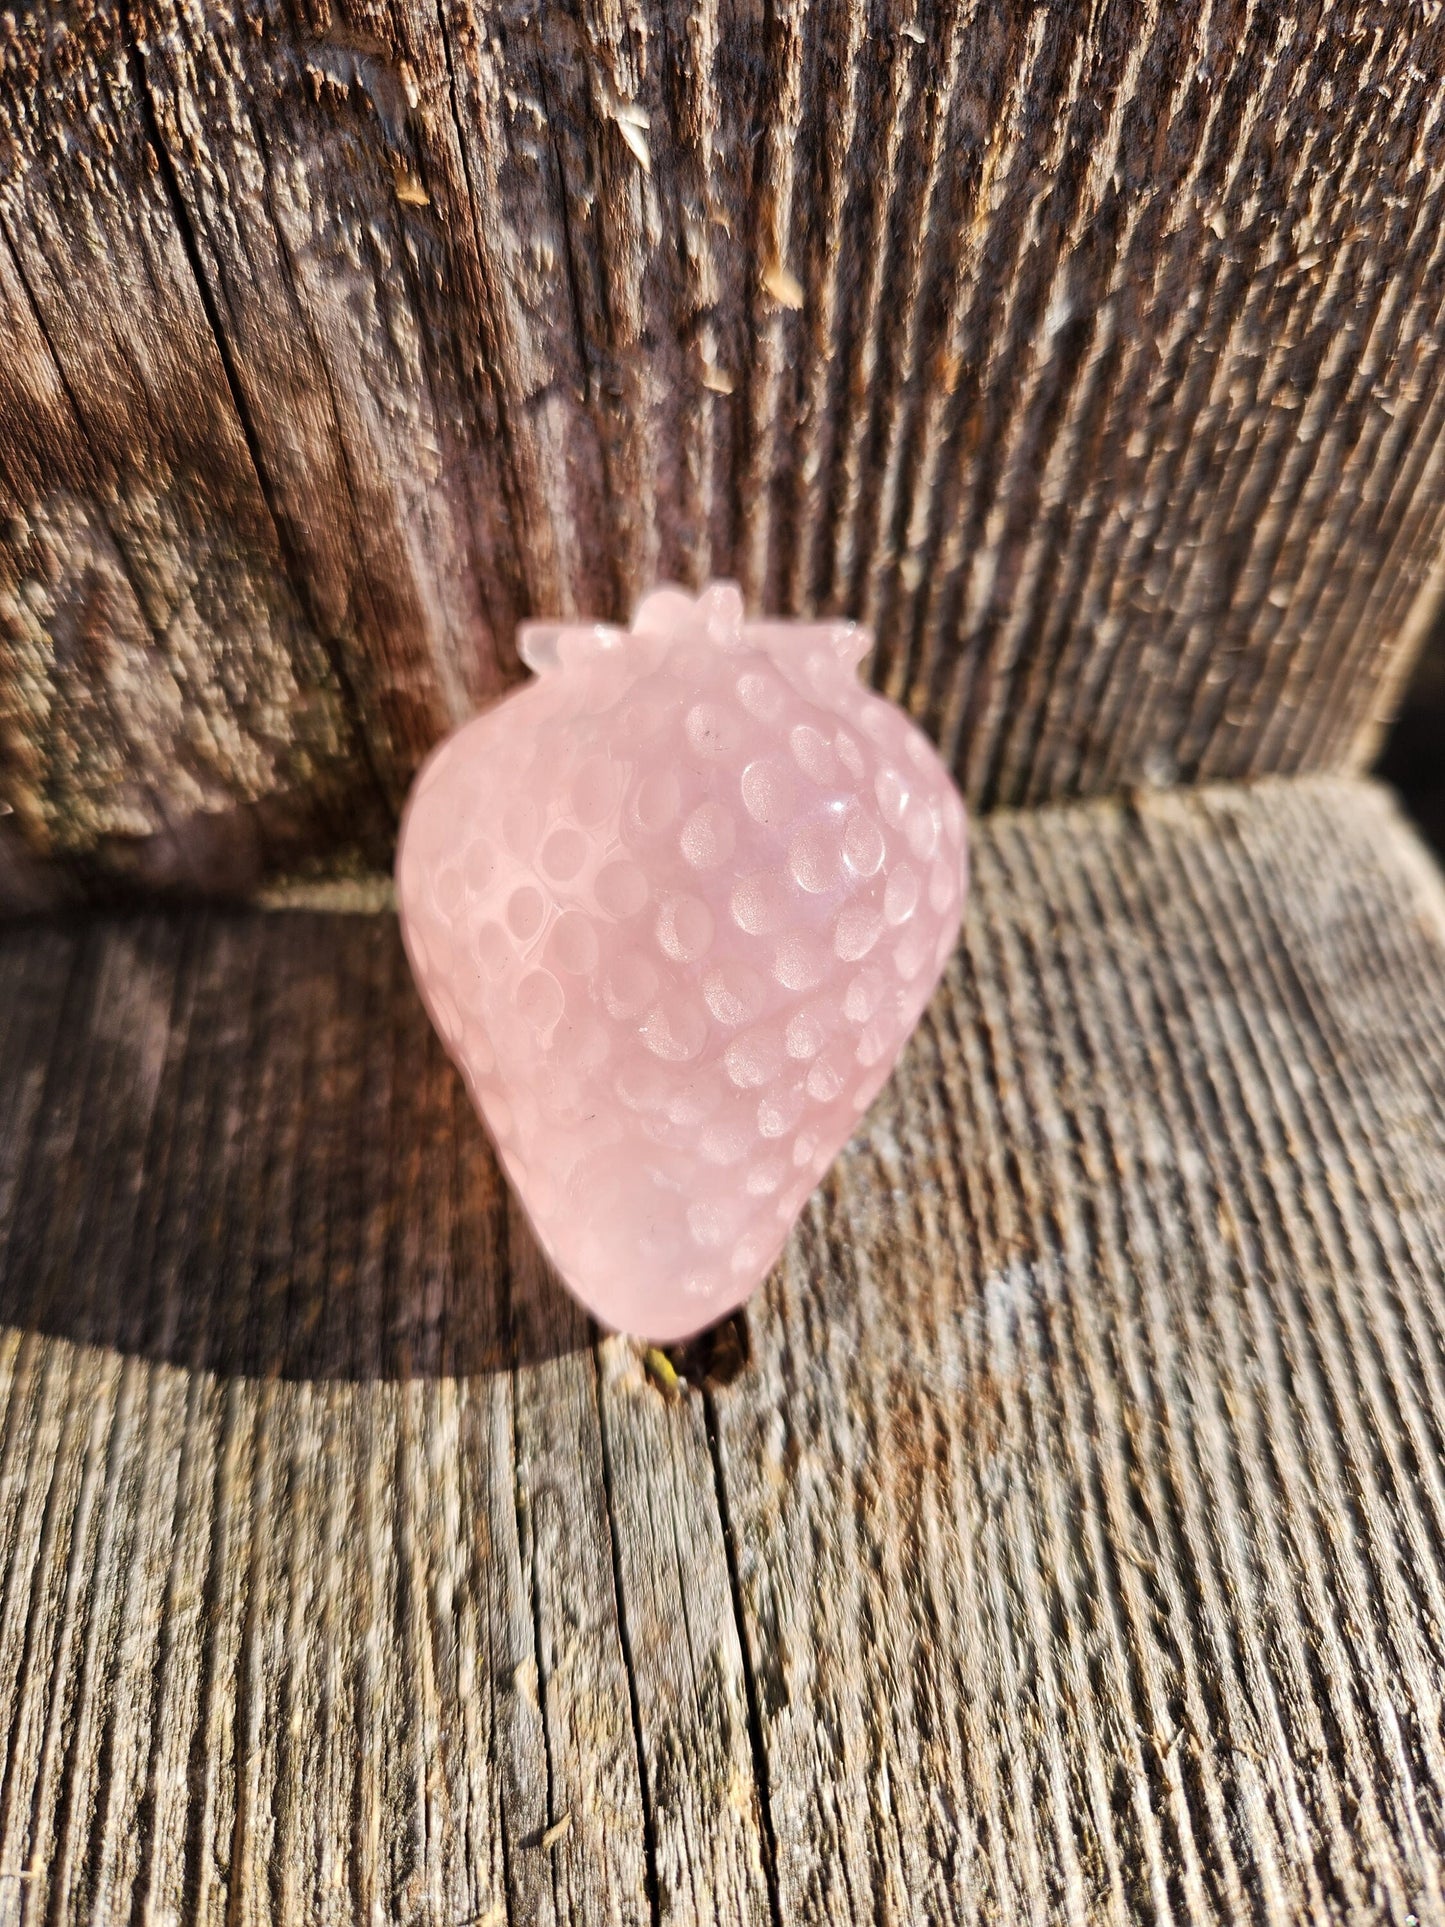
(316, 213)
(708, 1851)
(168, 710)
(1094, 356)
(1061, 1533)
(576, 1667)
(1137, 1118)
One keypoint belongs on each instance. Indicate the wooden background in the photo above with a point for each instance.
(1060, 1534)
(1092, 353)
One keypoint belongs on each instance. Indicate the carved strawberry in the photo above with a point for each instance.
(675, 907)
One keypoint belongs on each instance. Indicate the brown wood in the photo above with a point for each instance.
(167, 713)
(1059, 1536)
(1092, 353)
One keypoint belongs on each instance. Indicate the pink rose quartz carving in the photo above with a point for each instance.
(675, 907)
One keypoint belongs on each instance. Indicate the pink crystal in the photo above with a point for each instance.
(675, 907)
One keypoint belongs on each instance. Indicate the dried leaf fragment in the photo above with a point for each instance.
(409, 190)
(632, 124)
(783, 285)
(524, 1679)
(662, 1371)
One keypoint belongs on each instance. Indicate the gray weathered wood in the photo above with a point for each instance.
(1091, 353)
(1060, 1535)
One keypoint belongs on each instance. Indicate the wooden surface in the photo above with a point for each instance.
(1093, 353)
(1060, 1536)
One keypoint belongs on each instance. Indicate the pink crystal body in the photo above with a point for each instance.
(675, 907)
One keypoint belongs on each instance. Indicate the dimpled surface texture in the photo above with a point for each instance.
(675, 907)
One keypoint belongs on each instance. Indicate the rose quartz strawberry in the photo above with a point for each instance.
(675, 907)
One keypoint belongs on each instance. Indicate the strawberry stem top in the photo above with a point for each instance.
(715, 616)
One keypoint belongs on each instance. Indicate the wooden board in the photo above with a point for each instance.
(170, 713)
(1059, 1536)
(1093, 354)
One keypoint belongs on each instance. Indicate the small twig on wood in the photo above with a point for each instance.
(662, 1371)
(495, 1916)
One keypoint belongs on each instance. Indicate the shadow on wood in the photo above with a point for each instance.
(234, 1143)
(1411, 759)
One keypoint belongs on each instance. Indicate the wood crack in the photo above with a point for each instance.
(615, 562)
(296, 572)
(649, 1823)
(756, 1737)
(527, 1540)
(516, 493)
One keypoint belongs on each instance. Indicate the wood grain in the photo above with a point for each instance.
(1092, 354)
(1060, 1535)
(168, 713)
